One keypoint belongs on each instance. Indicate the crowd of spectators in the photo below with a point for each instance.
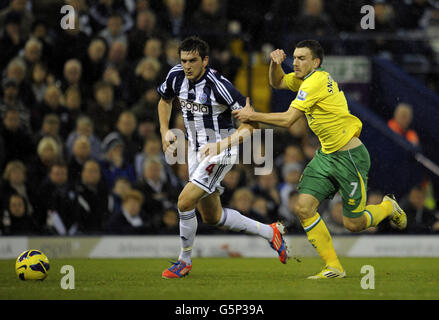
(80, 151)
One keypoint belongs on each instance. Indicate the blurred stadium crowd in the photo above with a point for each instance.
(80, 151)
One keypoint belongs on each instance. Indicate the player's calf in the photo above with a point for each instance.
(355, 224)
(210, 219)
(210, 209)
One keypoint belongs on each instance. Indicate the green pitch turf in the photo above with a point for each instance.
(227, 278)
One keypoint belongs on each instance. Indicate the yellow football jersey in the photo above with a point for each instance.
(325, 107)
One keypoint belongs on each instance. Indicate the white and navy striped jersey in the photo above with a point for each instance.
(206, 104)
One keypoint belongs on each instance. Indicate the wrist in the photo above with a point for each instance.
(275, 64)
(252, 116)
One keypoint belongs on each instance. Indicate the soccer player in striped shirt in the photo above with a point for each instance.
(342, 164)
(207, 100)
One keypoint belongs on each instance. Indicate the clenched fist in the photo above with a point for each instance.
(278, 56)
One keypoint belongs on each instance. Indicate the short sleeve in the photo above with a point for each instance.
(166, 89)
(309, 94)
(238, 100)
(292, 82)
(228, 94)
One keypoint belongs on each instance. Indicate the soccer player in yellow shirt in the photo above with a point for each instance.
(341, 164)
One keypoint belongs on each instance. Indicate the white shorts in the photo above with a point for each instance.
(209, 173)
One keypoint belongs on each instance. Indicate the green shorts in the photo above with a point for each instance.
(344, 171)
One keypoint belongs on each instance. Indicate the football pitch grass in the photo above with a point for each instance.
(227, 279)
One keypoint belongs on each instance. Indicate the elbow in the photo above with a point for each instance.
(291, 115)
(284, 121)
(270, 82)
(276, 82)
(274, 85)
(289, 121)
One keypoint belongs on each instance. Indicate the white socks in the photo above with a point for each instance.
(188, 229)
(233, 220)
(230, 219)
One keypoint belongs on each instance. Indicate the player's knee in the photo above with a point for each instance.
(210, 215)
(303, 211)
(185, 203)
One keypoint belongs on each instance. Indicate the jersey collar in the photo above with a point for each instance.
(309, 74)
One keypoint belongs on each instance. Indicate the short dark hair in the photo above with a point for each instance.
(315, 48)
(60, 164)
(17, 195)
(133, 194)
(192, 44)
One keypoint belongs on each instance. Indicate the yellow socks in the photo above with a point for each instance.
(320, 239)
(376, 213)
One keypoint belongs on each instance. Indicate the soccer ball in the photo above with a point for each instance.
(32, 265)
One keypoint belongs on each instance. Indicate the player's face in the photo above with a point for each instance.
(304, 63)
(193, 65)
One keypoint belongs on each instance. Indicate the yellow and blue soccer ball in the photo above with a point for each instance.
(32, 265)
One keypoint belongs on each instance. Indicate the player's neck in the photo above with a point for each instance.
(200, 76)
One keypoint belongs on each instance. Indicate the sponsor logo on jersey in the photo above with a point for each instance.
(194, 107)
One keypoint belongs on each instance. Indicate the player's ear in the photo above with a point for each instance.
(316, 63)
(205, 61)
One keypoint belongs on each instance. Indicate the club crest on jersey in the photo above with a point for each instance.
(193, 107)
(301, 95)
(203, 98)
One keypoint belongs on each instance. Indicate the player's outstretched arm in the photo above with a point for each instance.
(280, 119)
(244, 131)
(164, 111)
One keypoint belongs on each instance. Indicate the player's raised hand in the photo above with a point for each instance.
(245, 113)
(278, 56)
